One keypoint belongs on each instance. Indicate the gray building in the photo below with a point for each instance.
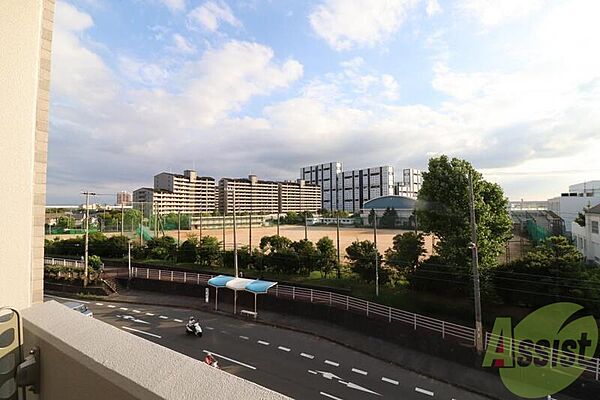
(326, 177)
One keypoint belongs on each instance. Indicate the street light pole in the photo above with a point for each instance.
(87, 236)
(122, 219)
(338, 244)
(475, 264)
(376, 258)
(235, 254)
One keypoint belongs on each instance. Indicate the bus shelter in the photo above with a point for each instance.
(255, 286)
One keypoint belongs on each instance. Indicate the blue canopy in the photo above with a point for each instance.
(220, 281)
(258, 286)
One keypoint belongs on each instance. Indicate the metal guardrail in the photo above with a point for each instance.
(63, 262)
(447, 330)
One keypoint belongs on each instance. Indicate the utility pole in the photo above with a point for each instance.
(224, 213)
(178, 227)
(338, 244)
(250, 216)
(87, 236)
(129, 263)
(475, 262)
(142, 227)
(277, 222)
(235, 255)
(376, 258)
(122, 220)
(201, 225)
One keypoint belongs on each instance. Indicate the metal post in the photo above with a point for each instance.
(376, 256)
(338, 245)
(122, 219)
(254, 305)
(178, 227)
(201, 226)
(141, 226)
(216, 297)
(475, 262)
(235, 254)
(235, 301)
(367, 308)
(159, 274)
(277, 222)
(129, 263)
(224, 212)
(87, 237)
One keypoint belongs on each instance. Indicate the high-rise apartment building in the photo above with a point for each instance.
(410, 185)
(261, 196)
(124, 198)
(356, 187)
(172, 193)
(325, 176)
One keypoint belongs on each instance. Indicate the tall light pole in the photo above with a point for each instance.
(87, 236)
(235, 254)
(338, 244)
(475, 263)
(178, 227)
(122, 219)
(376, 258)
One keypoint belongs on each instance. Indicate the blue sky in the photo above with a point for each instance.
(144, 86)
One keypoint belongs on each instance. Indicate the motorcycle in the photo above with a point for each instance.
(211, 361)
(193, 329)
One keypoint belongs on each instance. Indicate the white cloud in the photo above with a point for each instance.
(493, 13)
(150, 74)
(69, 18)
(433, 8)
(174, 5)
(346, 24)
(181, 45)
(210, 15)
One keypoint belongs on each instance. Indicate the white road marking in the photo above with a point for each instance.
(136, 311)
(359, 371)
(388, 380)
(177, 320)
(332, 363)
(66, 298)
(133, 319)
(209, 328)
(283, 348)
(309, 356)
(111, 306)
(312, 372)
(328, 375)
(99, 304)
(263, 342)
(123, 308)
(352, 385)
(150, 314)
(142, 332)
(244, 337)
(163, 317)
(230, 359)
(427, 392)
(330, 396)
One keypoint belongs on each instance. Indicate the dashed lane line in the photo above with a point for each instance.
(150, 314)
(423, 391)
(229, 359)
(123, 308)
(210, 328)
(163, 317)
(244, 337)
(284, 348)
(263, 342)
(309, 356)
(359, 371)
(177, 320)
(99, 304)
(329, 396)
(142, 332)
(332, 363)
(136, 311)
(388, 380)
(111, 306)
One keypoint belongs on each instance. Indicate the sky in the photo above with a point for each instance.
(230, 88)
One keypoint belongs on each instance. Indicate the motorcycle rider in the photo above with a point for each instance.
(192, 321)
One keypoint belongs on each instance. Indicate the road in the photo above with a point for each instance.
(295, 364)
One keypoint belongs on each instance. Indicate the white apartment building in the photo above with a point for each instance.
(587, 238)
(325, 176)
(356, 187)
(568, 205)
(260, 196)
(411, 183)
(124, 198)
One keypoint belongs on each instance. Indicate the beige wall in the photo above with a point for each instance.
(25, 43)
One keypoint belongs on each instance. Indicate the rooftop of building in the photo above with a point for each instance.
(594, 210)
(391, 201)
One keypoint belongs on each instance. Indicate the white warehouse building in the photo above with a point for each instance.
(568, 205)
(587, 238)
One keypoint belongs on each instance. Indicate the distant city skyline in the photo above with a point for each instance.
(233, 88)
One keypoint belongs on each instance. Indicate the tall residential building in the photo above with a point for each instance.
(325, 176)
(356, 187)
(569, 204)
(26, 43)
(410, 184)
(259, 196)
(124, 198)
(172, 193)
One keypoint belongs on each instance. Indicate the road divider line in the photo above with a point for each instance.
(388, 380)
(136, 311)
(123, 308)
(332, 363)
(427, 392)
(177, 320)
(244, 337)
(284, 348)
(142, 332)
(210, 328)
(150, 314)
(99, 304)
(230, 359)
(309, 356)
(330, 396)
(263, 342)
(111, 306)
(359, 371)
(163, 317)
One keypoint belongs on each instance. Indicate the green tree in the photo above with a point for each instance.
(389, 218)
(361, 257)
(274, 243)
(444, 211)
(116, 247)
(327, 256)
(188, 251)
(162, 248)
(95, 262)
(372, 217)
(209, 252)
(580, 219)
(307, 255)
(65, 222)
(406, 252)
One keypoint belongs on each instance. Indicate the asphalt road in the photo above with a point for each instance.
(295, 364)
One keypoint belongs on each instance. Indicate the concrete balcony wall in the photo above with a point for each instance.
(83, 358)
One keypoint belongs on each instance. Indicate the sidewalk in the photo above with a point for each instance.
(472, 379)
